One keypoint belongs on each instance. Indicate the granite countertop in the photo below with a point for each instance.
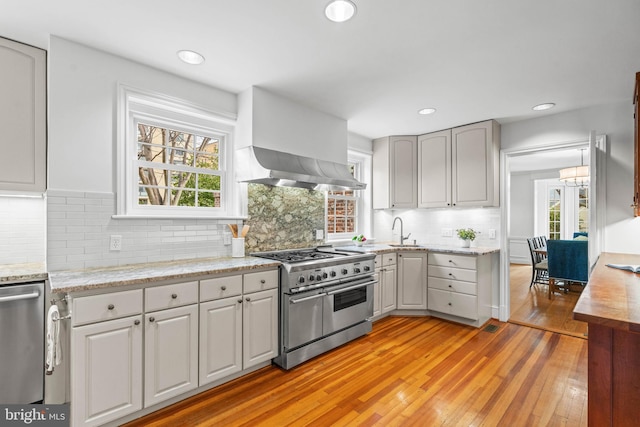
(380, 248)
(21, 273)
(612, 296)
(82, 280)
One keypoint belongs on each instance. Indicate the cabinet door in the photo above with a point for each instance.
(388, 288)
(464, 305)
(475, 168)
(171, 353)
(404, 174)
(259, 327)
(412, 280)
(434, 170)
(220, 339)
(106, 373)
(22, 117)
(377, 294)
(439, 300)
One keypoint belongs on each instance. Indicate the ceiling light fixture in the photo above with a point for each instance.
(544, 106)
(340, 10)
(190, 57)
(425, 111)
(576, 176)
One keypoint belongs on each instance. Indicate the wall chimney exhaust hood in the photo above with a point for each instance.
(271, 167)
(283, 143)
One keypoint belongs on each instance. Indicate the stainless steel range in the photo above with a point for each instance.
(326, 300)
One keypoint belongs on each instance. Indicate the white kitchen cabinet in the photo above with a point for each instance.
(22, 117)
(377, 302)
(106, 368)
(171, 353)
(459, 287)
(460, 166)
(412, 281)
(259, 327)
(395, 174)
(384, 301)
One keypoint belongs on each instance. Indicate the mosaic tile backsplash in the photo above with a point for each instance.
(283, 218)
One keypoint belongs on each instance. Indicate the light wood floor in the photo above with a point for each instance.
(409, 371)
(533, 307)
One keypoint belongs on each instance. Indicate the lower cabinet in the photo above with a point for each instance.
(171, 353)
(412, 280)
(259, 327)
(384, 292)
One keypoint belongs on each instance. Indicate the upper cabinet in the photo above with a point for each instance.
(636, 162)
(395, 173)
(459, 166)
(22, 117)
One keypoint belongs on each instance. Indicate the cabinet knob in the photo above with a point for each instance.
(450, 286)
(262, 281)
(450, 260)
(174, 296)
(136, 322)
(450, 274)
(240, 301)
(224, 288)
(111, 307)
(450, 304)
(152, 319)
(248, 299)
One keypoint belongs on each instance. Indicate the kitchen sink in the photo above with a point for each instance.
(397, 245)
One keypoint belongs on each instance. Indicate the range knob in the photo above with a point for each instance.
(301, 279)
(333, 273)
(345, 271)
(325, 275)
(367, 268)
(356, 270)
(311, 277)
(318, 277)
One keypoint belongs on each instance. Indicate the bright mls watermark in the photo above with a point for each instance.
(34, 415)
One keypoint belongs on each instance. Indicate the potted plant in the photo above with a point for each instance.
(466, 235)
(359, 240)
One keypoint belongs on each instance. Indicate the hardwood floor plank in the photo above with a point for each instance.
(408, 371)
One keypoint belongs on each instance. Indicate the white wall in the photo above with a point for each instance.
(22, 230)
(82, 111)
(622, 231)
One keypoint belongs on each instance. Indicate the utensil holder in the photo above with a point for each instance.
(237, 247)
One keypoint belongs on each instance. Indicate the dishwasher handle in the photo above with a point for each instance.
(20, 297)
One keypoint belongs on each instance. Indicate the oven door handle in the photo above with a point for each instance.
(350, 288)
(296, 301)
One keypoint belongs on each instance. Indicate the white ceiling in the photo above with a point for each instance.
(471, 59)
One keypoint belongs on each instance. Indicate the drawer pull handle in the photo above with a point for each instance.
(174, 296)
(136, 322)
(262, 281)
(111, 307)
(450, 260)
(248, 299)
(450, 304)
(450, 274)
(152, 319)
(224, 288)
(450, 286)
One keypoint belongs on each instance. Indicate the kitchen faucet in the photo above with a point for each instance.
(402, 238)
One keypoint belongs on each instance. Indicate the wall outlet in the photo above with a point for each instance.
(115, 244)
(319, 234)
(492, 233)
(447, 232)
(226, 239)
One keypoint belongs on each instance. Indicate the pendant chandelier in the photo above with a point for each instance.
(576, 176)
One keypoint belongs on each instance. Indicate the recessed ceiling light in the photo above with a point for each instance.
(340, 10)
(544, 106)
(190, 57)
(426, 111)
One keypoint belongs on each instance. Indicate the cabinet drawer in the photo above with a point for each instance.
(453, 303)
(254, 282)
(377, 261)
(97, 308)
(220, 287)
(452, 260)
(470, 288)
(389, 259)
(453, 273)
(169, 296)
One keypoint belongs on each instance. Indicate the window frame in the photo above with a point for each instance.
(137, 106)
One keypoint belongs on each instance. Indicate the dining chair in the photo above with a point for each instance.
(539, 272)
(568, 261)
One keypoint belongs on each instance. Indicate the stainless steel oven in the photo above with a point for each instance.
(326, 300)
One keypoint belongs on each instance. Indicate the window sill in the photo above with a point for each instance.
(227, 217)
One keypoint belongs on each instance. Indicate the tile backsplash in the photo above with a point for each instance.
(22, 230)
(80, 225)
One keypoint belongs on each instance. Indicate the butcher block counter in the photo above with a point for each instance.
(610, 304)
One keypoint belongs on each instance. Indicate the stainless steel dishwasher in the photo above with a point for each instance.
(22, 343)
